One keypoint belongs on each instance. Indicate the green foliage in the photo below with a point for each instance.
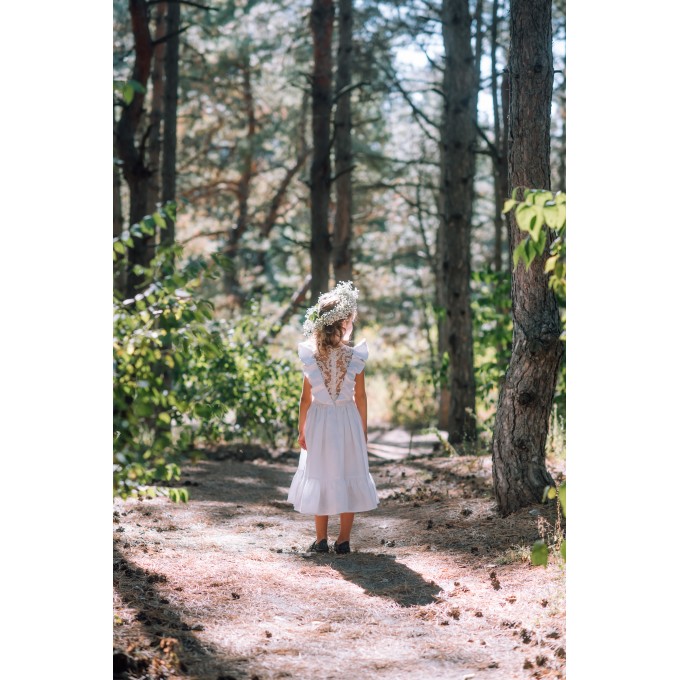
(181, 378)
(540, 551)
(492, 328)
(542, 215)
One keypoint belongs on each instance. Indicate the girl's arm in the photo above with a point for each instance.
(361, 400)
(305, 403)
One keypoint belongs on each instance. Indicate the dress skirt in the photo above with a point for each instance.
(332, 475)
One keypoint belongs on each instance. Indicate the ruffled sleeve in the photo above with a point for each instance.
(359, 356)
(310, 368)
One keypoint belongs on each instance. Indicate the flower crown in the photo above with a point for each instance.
(346, 307)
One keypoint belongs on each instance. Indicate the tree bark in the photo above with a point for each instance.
(320, 248)
(231, 275)
(521, 428)
(500, 160)
(170, 95)
(119, 266)
(135, 170)
(342, 231)
(458, 138)
(156, 114)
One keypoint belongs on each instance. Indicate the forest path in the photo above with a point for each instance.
(437, 585)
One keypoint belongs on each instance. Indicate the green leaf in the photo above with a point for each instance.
(520, 252)
(148, 225)
(541, 197)
(164, 417)
(128, 93)
(552, 492)
(539, 554)
(562, 495)
(509, 205)
(555, 215)
(158, 219)
(530, 218)
(119, 247)
(560, 198)
(563, 549)
(550, 263)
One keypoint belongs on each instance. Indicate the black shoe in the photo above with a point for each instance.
(342, 549)
(320, 547)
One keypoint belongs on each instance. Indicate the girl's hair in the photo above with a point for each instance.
(330, 335)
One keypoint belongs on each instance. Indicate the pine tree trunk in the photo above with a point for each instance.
(519, 470)
(170, 94)
(342, 231)
(135, 169)
(322, 102)
(500, 160)
(231, 275)
(458, 138)
(156, 114)
(119, 265)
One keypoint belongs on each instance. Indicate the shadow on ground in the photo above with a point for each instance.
(163, 625)
(381, 576)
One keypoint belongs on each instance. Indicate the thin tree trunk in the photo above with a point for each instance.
(170, 95)
(519, 470)
(562, 165)
(119, 265)
(135, 170)
(231, 274)
(500, 164)
(322, 93)
(156, 114)
(458, 138)
(342, 231)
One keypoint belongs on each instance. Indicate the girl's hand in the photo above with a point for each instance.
(301, 441)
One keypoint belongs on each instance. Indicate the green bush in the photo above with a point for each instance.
(492, 334)
(183, 379)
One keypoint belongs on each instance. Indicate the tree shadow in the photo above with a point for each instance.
(381, 575)
(136, 587)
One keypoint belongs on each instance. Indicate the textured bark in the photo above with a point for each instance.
(342, 230)
(156, 114)
(132, 154)
(458, 137)
(170, 94)
(320, 248)
(231, 275)
(119, 267)
(519, 471)
(500, 160)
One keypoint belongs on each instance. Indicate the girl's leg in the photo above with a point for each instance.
(346, 520)
(321, 522)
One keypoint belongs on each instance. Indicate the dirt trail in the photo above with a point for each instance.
(437, 586)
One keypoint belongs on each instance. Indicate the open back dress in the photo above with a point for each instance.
(332, 475)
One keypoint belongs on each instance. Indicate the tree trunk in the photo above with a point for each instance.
(342, 231)
(156, 115)
(519, 471)
(231, 276)
(169, 167)
(458, 138)
(562, 164)
(135, 170)
(119, 265)
(500, 160)
(320, 248)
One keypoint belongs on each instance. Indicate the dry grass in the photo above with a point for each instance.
(437, 585)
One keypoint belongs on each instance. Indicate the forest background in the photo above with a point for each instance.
(64, 444)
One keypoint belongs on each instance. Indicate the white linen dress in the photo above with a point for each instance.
(332, 475)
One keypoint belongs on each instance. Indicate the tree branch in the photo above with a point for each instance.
(185, 2)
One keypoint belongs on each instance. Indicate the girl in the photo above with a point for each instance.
(332, 477)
